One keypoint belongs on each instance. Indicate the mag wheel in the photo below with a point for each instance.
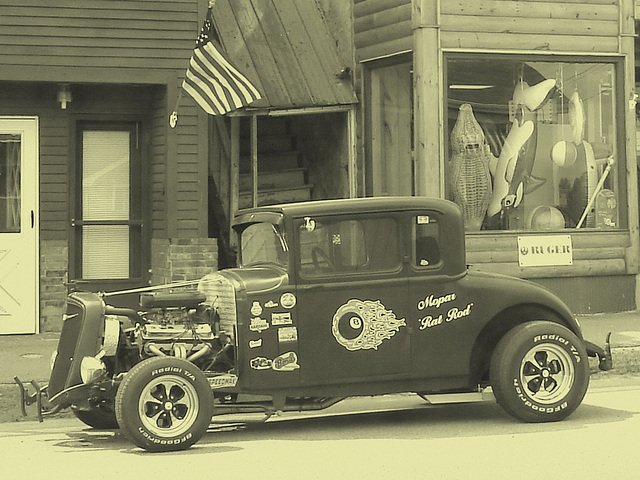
(164, 403)
(539, 372)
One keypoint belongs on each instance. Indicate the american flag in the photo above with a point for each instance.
(212, 80)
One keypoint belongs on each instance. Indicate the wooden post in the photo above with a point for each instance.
(254, 160)
(203, 174)
(352, 165)
(427, 75)
(628, 121)
(171, 172)
(234, 174)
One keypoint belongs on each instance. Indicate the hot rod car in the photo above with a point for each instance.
(330, 299)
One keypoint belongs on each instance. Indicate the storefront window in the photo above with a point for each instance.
(391, 129)
(532, 144)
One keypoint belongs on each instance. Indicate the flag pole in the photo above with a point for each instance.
(173, 118)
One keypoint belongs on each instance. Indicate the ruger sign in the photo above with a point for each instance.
(547, 250)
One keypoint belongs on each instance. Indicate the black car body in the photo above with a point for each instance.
(330, 299)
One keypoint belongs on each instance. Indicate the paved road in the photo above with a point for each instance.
(397, 438)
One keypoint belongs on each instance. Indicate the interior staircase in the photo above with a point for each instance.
(281, 178)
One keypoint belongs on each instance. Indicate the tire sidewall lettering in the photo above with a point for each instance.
(159, 441)
(175, 371)
(560, 340)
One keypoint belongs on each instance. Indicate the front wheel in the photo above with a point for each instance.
(101, 418)
(164, 404)
(539, 372)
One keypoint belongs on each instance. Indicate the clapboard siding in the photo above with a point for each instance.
(106, 43)
(525, 25)
(570, 26)
(187, 185)
(555, 43)
(535, 9)
(92, 34)
(594, 254)
(384, 27)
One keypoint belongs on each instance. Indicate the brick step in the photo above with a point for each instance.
(270, 162)
(273, 180)
(273, 196)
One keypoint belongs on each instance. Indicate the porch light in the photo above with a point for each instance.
(64, 95)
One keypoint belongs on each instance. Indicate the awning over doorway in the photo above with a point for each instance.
(295, 52)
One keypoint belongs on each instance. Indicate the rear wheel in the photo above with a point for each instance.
(539, 372)
(164, 404)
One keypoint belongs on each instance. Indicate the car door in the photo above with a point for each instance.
(352, 299)
(443, 310)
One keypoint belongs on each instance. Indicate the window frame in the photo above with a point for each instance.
(414, 239)
(368, 101)
(340, 276)
(138, 221)
(617, 63)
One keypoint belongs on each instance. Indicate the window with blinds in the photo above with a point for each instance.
(106, 188)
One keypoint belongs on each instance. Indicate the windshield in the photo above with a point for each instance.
(262, 243)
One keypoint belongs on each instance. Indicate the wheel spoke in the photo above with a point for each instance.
(550, 384)
(534, 384)
(164, 420)
(530, 369)
(159, 393)
(151, 409)
(555, 367)
(176, 393)
(180, 411)
(541, 358)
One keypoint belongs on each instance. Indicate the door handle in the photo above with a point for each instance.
(33, 219)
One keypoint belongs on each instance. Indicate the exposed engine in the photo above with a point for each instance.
(182, 325)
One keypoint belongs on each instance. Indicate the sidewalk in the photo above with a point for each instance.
(29, 356)
(625, 328)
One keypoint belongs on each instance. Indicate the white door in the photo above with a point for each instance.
(18, 225)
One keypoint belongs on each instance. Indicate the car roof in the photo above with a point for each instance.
(351, 206)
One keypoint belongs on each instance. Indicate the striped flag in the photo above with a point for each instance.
(212, 80)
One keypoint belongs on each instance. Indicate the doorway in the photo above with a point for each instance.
(19, 283)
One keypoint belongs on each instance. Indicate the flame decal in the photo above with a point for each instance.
(363, 325)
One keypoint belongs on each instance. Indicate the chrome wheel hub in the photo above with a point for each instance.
(547, 373)
(168, 406)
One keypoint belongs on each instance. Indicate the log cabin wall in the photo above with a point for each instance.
(605, 263)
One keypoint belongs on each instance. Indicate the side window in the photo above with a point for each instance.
(331, 246)
(427, 241)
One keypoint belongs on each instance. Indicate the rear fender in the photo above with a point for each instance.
(500, 324)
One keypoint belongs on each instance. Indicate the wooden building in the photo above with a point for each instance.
(96, 189)
(538, 96)
(523, 112)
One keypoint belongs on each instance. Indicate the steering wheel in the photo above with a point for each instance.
(318, 255)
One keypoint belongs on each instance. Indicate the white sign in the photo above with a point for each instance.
(545, 250)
